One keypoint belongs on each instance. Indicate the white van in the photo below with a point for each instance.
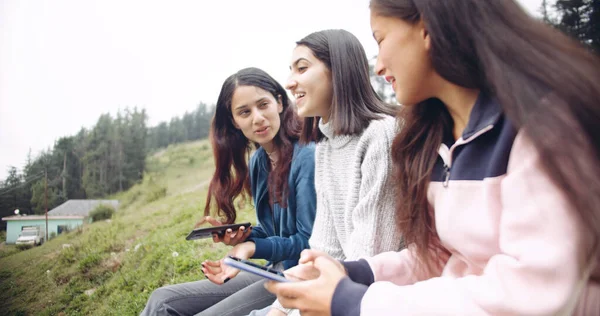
(32, 235)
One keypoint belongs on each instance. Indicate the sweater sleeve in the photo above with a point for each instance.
(277, 248)
(374, 216)
(540, 269)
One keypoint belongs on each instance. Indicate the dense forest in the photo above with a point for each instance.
(107, 158)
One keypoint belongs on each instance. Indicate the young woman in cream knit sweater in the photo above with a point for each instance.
(354, 130)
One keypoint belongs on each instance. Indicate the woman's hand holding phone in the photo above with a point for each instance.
(230, 237)
(314, 295)
(218, 272)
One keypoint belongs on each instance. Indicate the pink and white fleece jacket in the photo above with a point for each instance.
(517, 245)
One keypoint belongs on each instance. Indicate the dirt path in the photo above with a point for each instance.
(197, 187)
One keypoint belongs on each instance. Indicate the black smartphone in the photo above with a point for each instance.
(254, 268)
(208, 232)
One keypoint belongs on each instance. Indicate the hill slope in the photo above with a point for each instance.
(119, 262)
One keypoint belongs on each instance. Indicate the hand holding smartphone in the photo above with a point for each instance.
(257, 269)
(220, 231)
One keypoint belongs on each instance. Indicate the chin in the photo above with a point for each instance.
(302, 114)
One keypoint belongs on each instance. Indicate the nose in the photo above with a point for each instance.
(379, 69)
(257, 117)
(291, 83)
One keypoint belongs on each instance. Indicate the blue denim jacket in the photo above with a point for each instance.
(282, 233)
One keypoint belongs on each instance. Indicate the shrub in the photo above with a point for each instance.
(89, 261)
(102, 212)
(24, 246)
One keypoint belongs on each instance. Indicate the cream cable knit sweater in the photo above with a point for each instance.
(355, 196)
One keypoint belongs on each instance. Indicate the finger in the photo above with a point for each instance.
(227, 237)
(216, 279)
(269, 285)
(309, 255)
(239, 236)
(328, 266)
(288, 302)
(232, 234)
(290, 289)
(212, 270)
(302, 272)
(247, 233)
(209, 275)
(214, 266)
(212, 263)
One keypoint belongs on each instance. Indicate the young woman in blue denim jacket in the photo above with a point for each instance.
(253, 111)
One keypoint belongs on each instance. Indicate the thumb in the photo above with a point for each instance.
(328, 266)
(309, 255)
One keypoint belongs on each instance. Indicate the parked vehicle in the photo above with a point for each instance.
(33, 235)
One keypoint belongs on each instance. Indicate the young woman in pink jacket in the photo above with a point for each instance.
(497, 165)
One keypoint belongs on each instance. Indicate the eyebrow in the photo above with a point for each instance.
(240, 107)
(245, 105)
(298, 61)
(260, 100)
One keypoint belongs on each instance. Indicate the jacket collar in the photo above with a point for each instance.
(486, 111)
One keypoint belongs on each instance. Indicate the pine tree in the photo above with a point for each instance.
(579, 19)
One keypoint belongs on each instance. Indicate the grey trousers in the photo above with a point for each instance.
(239, 296)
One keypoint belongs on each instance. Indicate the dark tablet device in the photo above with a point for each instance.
(254, 268)
(208, 232)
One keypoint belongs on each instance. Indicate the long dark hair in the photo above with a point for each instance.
(231, 148)
(547, 83)
(355, 103)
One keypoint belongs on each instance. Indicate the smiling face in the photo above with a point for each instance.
(256, 113)
(403, 58)
(310, 84)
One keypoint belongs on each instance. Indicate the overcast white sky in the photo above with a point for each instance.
(65, 62)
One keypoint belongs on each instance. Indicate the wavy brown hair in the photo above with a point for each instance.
(355, 103)
(231, 149)
(547, 83)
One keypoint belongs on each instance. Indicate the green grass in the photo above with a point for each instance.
(125, 259)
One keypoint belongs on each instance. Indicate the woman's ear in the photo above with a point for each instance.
(425, 35)
(279, 104)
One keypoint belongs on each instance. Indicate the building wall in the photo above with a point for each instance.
(14, 227)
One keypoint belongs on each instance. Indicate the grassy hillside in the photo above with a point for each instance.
(111, 267)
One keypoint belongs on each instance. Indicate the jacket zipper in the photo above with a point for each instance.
(446, 153)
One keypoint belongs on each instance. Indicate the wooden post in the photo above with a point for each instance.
(46, 201)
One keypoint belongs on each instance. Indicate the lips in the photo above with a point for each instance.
(262, 130)
(299, 96)
(391, 80)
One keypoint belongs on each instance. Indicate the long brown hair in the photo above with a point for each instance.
(231, 148)
(547, 83)
(355, 103)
